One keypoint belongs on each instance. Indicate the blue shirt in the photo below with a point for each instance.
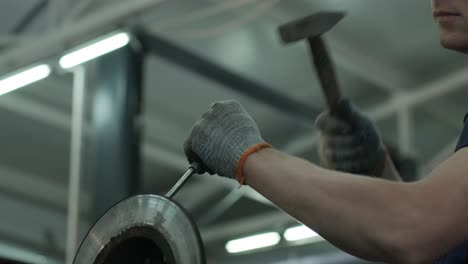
(458, 255)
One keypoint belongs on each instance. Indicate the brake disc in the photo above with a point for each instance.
(143, 229)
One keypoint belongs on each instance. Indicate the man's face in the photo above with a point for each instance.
(452, 18)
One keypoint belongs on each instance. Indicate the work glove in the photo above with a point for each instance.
(349, 142)
(222, 140)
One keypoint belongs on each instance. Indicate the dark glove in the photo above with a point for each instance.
(223, 138)
(349, 142)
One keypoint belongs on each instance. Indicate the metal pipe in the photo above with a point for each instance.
(405, 131)
(421, 95)
(77, 131)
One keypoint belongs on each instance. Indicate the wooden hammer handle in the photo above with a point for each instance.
(326, 73)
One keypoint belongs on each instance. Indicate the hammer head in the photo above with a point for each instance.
(310, 26)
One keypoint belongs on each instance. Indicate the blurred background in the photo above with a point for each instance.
(389, 63)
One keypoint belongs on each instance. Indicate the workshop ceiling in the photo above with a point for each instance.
(381, 49)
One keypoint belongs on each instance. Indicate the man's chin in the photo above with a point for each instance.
(455, 42)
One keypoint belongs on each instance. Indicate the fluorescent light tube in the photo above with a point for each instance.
(300, 233)
(23, 78)
(94, 49)
(253, 242)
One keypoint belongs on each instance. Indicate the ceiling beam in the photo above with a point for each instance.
(54, 43)
(218, 209)
(229, 79)
(26, 253)
(32, 226)
(38, 190)
(55, 13)
(359, 64)
(201, 14)
(24, 106)
(425, 93)
(78, 11)
(30, 16)
(9, 39)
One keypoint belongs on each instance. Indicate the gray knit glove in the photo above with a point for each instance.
(349, 142)
(219, 139)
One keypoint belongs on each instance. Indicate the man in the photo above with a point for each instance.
(369, 217)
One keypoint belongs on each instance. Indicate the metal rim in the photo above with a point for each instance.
(151, 217)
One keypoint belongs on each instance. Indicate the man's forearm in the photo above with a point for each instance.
(345, 209)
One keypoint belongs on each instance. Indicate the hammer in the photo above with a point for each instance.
(312, 28)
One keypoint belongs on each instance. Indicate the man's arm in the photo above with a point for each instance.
(367, 217)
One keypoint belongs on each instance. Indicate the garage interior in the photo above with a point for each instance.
(389, 64)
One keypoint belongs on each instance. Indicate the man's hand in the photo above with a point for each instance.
(349, 142)
(222, 139)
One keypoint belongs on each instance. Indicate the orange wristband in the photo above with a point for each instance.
(240, 165)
